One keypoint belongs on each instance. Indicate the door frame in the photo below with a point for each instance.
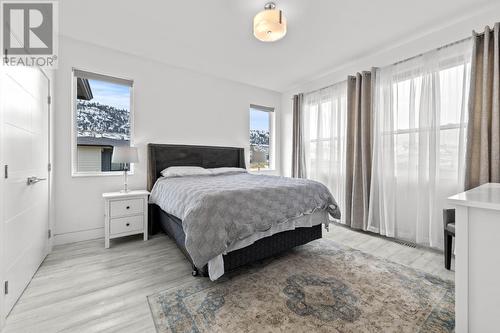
(3, 314)
(2, 185)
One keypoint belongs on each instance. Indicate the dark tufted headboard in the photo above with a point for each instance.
(161, 156)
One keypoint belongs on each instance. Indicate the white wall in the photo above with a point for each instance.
(171, 105)
(454, 29)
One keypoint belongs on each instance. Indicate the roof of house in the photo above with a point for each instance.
(83, 90)
(101, 142)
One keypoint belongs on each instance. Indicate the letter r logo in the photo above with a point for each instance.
(27, 28)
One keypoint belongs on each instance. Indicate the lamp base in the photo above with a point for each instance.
(125, 182)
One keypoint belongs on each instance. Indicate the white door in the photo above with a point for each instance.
(24, 155)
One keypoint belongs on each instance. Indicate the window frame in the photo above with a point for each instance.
(74, 132)
(408, 74)
(271, 114)
(338, 100)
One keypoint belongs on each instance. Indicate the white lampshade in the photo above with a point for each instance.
(269, 25)
(125, 155)
(258, 157)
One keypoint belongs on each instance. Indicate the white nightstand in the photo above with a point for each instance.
(125, 214)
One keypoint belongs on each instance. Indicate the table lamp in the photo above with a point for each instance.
(259, 159)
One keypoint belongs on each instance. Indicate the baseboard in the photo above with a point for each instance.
(78, 236)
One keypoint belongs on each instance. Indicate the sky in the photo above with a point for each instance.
(111, 94)
(259, 120)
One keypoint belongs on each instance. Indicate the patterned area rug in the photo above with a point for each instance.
(318, 287)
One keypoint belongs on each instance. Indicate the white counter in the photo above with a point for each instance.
(477, 261)
(485, 196)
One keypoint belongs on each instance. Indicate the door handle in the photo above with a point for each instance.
(33, 180)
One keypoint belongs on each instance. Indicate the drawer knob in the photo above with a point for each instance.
(128, 224)
(128, 207)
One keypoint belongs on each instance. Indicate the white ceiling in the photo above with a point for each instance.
(215, 36)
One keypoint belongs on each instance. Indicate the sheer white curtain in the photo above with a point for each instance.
(419, 124)
(325, 118)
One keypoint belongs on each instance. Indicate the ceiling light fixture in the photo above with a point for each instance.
(269, 25)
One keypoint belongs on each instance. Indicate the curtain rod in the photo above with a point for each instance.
(410, 58)
(474, 34)
(436, 49)
(326, 87)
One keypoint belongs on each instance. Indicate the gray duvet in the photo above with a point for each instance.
(218, 210)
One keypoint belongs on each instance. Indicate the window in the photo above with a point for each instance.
(261, 136)
(419, 139)
(325, 123)
(102, 114)
(412, 121)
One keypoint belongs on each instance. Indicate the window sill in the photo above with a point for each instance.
(100, 174)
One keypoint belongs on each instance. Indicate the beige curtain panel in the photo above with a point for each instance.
(298, 153)
(358, 149)
(483, 137)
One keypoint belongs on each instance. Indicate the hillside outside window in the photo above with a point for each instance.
(261, 137)
(102, 120)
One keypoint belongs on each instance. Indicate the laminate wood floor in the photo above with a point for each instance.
(82, 287)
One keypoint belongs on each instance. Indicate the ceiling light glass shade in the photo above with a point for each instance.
(269, 25)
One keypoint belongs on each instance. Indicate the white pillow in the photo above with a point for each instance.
(183, 171)
(226, 170)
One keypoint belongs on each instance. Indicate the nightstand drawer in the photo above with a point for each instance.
(126, 224)
(126, 207)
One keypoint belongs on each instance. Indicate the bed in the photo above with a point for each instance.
(304, 228)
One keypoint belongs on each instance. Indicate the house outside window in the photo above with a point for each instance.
(261, 137)
(102, 120)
